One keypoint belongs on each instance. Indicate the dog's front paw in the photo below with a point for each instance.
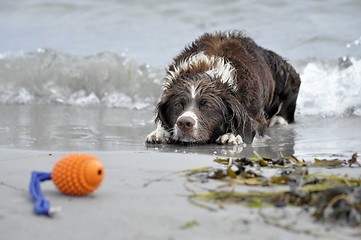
(159, 135)
(230, 139)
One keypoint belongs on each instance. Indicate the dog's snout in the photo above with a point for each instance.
(185, 123)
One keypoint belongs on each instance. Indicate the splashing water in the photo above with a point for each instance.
(330, 90)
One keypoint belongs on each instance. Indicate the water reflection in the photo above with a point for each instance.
(59, 127)
(66, 128)
(282, 141)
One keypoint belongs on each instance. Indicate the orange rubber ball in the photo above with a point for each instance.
(78, 174)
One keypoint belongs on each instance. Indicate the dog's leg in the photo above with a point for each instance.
(159, 135)
(230, 139)
(277, 120)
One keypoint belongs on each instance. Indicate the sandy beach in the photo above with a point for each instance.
(144, 196)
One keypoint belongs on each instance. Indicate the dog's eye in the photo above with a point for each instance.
(206, 105)
(178, 105)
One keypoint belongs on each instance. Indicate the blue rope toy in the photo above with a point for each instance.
(41, 204)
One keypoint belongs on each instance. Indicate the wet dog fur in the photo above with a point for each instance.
(224, 88)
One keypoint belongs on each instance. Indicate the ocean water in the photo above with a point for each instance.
(111, 54)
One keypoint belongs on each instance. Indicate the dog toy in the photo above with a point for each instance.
(75, 174)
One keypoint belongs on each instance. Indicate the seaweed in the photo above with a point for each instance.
(340, 205)
(189, 224)
(334, 163)
(353, 160)
(334, 198)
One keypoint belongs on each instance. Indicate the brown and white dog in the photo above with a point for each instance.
(224, 88)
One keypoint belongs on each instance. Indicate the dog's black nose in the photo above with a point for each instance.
(185, 123)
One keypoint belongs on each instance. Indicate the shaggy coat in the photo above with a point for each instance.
(224, 88)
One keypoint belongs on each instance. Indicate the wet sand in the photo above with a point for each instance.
(144, 195)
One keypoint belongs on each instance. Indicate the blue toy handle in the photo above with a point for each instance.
(41, 205)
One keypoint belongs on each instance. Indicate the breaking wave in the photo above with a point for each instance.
(105, 79)
(329, 88)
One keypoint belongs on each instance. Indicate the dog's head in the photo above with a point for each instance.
(199, 109)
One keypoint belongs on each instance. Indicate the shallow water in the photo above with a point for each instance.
(67, 128)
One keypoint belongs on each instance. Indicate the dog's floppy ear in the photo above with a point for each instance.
(239, 122)
(161, 112)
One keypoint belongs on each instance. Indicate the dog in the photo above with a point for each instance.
(224, 88)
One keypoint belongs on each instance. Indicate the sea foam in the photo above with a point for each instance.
(329, 88)
(106, 79)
